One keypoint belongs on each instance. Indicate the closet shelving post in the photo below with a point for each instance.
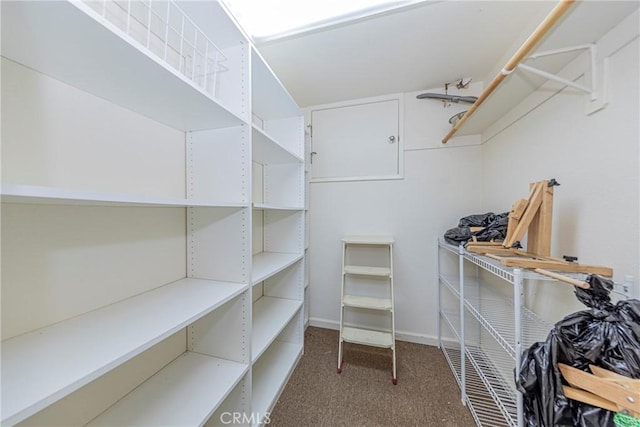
(482, 332)
(278, 236)
(110, 303)
(307, 227)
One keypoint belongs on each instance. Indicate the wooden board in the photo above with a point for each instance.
(514, 216)
(539, 234)
(535, 199)
(569, 267)
(534, 215)
(626, 398)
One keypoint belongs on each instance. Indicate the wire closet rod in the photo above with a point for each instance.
(520, 54)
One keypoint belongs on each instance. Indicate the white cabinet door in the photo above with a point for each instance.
(359, 141)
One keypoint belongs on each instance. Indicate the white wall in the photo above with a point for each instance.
(440, 185)
(594, 157)
(596, 208)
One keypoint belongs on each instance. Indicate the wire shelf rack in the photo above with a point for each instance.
(492, 330)
(488, 366)
(494, 320)
(496, 313)
(452, 283)
(162, 29)
(452, 320)
(482, 405)
(451, 351)
(488, 379)
(501, 407)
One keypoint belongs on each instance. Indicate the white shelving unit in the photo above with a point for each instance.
(278, 237)
(271, 373)
(482, 332)
(101, 276)
(307, 227)
(45, 38)
(206, 380)
(270, 316)
(32, 194)
(37, 366)
(266, 264)
(380, 300)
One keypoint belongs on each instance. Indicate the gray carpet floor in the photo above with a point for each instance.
(363, 395)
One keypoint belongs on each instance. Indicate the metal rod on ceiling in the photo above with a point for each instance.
(520, 54)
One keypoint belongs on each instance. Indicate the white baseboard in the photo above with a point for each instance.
(400, 335)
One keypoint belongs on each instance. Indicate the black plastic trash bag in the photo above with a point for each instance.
(606, 335)
(479, 220)
(495, 228)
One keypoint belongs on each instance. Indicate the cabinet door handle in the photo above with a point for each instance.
(392, 139)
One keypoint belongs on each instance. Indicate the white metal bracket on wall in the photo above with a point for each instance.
(596, 92)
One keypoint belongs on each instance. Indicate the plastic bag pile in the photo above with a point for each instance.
(605, 335)
(494, 227)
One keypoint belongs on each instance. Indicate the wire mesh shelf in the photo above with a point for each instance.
(493, 320)
(448, 247)
(452, 355)
(495, 267)
(451, 284)
(453, 322)
(497, 407)
(496, 313)
(161, 28)
(483, 405)
(451, 351)
(494, 367)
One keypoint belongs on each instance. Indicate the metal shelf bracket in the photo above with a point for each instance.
(597, 89)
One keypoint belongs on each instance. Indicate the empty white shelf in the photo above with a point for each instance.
(267, 206)
(367, 302)
(367, 337)
(271, 373)
(368, 240)
(43, 366)
(266, 264)
(266, 150)
(269, 98)
(198, 385)
(270, 316)
(32, 194)
(72, 43)
(360, 270)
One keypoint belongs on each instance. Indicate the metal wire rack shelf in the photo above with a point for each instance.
(496, 313)
(451, 349)
(492, 328)
(493, 266)
(504, 397)
(480, 403)
(161, 28)
(491, 367)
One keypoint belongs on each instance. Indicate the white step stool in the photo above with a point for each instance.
(372, 337)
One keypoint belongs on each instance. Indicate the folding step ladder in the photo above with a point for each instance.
(357, 335)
